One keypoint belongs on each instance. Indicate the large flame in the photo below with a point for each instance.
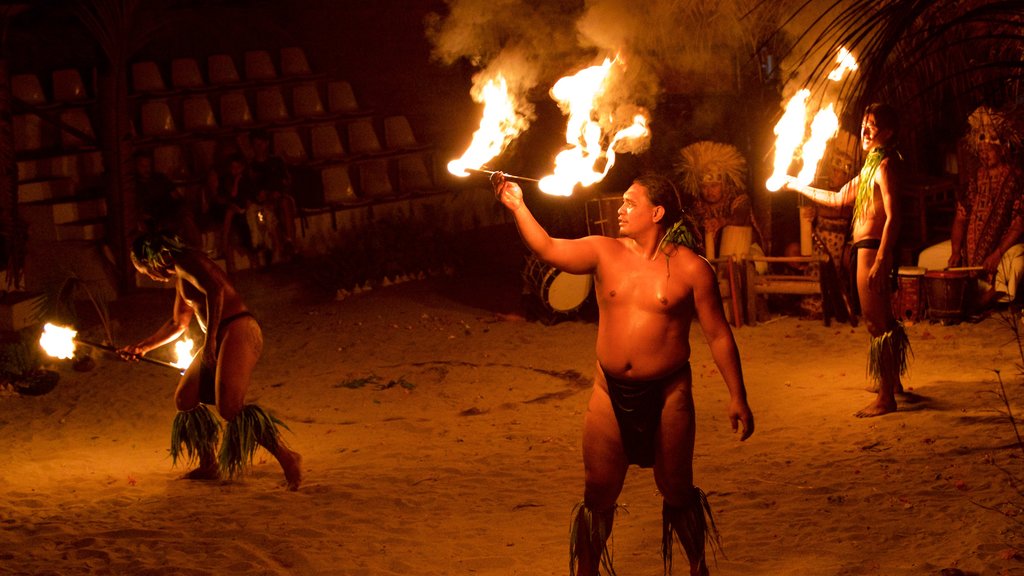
(792, 127)
(789, 132)
(844, 61)
(823, 128)
(501, 123)
(591, 151)
(58, 341)
(183, 351)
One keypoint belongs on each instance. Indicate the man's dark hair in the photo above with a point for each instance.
(661, 192)
(886, 117)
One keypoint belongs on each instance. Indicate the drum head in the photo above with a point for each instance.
(567, 292)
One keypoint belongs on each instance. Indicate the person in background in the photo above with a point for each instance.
(272, 181)
(875, 230)
(989, 222)
(161, 204)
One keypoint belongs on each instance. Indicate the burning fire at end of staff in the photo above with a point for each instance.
(501, 123)
(61, 342)
(591, 144)
(792, 140)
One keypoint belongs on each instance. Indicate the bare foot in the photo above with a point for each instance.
(205, 471)
(291, 463)
(876, 408)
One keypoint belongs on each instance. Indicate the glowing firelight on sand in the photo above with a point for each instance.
(58, 341)
(183, 351)
(501, 123)
(791, 131)
(578, 95)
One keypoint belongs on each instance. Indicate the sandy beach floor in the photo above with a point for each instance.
(440, 432)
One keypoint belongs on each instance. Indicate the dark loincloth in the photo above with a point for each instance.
(637, 405)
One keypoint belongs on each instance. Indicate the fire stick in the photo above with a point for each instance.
(142, 358)
(510, 177)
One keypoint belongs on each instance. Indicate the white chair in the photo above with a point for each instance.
(337, 186)
(325, 143)
(146, 77)
(169, 160)
(222, 70)
(362, 138)
(293, 62)
(68, 86)
(157, 119)
(234, 110)
(204, 155)
(197, 114)
(414, 176)
(306, 102)
(270, 106)
(288, 145)
(398, 133)
(28, 89)
(78, 120)
(258, 66)
(340, 98)
(185, 74)
(31, 133)
(374, 181)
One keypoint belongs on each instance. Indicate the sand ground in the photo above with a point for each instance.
(441, 435)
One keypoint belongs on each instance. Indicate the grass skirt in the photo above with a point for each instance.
(253, 427)
(590, 530)
(693, 526)
(194, 435)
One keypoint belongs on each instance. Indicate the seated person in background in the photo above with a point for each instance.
(272, 181)
(162, 206)
(233, 202)
(713, 175)
(989, 221)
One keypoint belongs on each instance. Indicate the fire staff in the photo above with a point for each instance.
(650, 286)
(221, 375)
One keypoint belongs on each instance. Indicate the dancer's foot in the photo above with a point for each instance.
(291, 463)
(877, 408)
(205, 471)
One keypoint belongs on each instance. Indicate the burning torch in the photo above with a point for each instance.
(60, 342)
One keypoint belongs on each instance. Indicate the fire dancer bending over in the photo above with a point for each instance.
(650, 285)
(875, 229)
(221, 373)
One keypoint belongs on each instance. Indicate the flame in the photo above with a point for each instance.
(791, 128)
(499, 125)
(844, 61)
(823, 128)
(183, 350)
(789, 133)
(579, 95)
(58, 341)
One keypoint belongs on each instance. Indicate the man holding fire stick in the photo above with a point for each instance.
(875, 229)
(221, 374)
(650, 286)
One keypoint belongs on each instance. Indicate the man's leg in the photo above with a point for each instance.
(604, 462)
(685, 512)
(195, 429)
(888, 351)
(248, 425)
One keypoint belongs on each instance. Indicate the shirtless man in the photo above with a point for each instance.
(875, 221)
(220, 375)
(649, 290)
